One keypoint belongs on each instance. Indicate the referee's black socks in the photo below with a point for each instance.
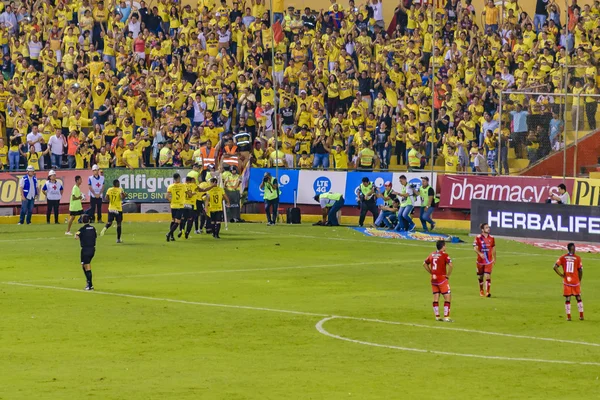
(88, 276)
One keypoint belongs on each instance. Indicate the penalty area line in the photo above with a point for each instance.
(327, 317)
(323, 331)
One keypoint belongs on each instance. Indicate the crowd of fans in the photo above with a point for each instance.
(107, 83)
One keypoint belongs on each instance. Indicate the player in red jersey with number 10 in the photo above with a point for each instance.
(439, 265)
(572, 272)
(485, 247)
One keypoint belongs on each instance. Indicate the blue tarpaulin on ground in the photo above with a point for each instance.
(422, 236)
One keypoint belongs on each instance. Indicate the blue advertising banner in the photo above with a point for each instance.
(354, 179)
(288, 183)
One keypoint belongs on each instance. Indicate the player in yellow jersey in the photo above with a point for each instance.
(189, 207)
(214, 200)
(115, 196)
(201, 209)
(176, 193)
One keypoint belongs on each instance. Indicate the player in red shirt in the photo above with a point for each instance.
(572, 272)
(439, 265)
(485, 247)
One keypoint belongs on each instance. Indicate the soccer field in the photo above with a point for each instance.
(284, 312)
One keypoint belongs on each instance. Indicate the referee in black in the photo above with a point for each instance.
(87, 238)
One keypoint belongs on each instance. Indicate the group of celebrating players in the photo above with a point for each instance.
(439, 266)
(188, 202)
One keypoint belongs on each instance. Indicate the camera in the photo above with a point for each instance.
(266, 179)
(412, 186)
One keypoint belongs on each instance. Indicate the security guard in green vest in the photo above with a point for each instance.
(367, 199)
(406, 193)
(367, 159)
(428, 200)
(414, 158)
(271, 196)
(330, 203)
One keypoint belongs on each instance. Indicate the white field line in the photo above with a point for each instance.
(322, 330)
(310, 314)
(464, 247)
(224, 271)
(29, 239)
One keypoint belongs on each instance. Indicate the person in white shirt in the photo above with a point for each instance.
(480, 164)
(377, 6)
(53, 191)
(96, 187)
(35, 139)
(57, 144)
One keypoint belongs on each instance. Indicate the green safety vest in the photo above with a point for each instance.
(331, 196)
(270, 192)
(366, 157)
(388, 202)
(423, 192)
(365, 190)
(404, 201)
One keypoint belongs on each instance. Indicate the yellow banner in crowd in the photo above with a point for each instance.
(586, 192)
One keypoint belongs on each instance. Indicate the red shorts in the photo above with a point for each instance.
(443, 288)
(571, 290)
(481, 269)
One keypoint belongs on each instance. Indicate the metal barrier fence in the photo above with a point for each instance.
(534, 125)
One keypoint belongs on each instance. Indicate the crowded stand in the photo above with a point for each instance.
(169, 84)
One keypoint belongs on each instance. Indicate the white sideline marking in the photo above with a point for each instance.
(28, 239)
(218, 271)
(460, 247)
(229, 271)
(322, 330)
(327, 317)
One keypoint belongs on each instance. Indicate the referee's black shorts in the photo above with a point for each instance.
(87, 254)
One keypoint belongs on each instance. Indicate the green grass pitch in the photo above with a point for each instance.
(242, 318)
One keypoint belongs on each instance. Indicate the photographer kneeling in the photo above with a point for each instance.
(331, 203)
(271, 196)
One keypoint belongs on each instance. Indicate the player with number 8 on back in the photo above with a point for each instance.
(572, 273)
(439, 265)
(485, 247)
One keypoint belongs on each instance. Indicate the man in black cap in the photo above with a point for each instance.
(87, 239)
